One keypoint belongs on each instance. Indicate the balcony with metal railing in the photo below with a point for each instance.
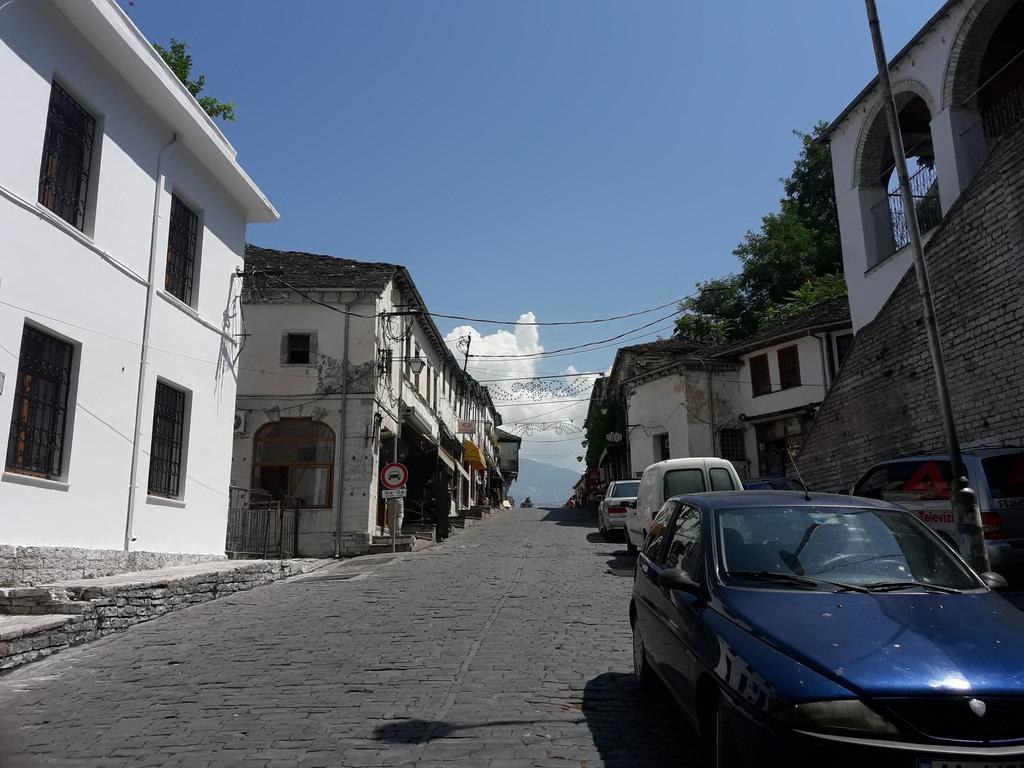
(891, 219)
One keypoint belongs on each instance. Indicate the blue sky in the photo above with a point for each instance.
(572, 158)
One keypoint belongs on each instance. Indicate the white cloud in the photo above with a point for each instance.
(522, 398)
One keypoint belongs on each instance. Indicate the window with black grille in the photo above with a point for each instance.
(67, 157)
(182, 237)
(165, 459)
(733, 447)
(789, 367)
(39, 421)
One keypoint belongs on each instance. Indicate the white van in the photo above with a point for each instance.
(675, 477)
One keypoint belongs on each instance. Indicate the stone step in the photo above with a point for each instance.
(28, 638)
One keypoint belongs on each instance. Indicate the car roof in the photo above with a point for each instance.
(944, 455)
(765, 498)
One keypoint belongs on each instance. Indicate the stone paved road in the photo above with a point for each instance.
(507, 647)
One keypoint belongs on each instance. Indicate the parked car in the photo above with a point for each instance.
(673, 477)
(923, 484)
(620, 497)
(832, 632)
(773, 484)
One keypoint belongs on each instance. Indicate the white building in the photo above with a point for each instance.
(338, 353)
(750, 402)
(959, 84)
(123, 213)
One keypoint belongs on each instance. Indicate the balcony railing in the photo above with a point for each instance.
(1004, 114)
(890, 217)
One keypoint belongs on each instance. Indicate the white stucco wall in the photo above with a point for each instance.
(91, 289)
(813, 379)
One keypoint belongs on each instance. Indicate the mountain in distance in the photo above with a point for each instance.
(543, 483)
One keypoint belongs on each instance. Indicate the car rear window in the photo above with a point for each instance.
(680, 481)
(927, 480)
(620, 490)
(721, 480)
(1005, 475)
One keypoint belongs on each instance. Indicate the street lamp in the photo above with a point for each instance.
(416, 365)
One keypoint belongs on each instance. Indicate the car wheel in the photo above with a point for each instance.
(641, 667)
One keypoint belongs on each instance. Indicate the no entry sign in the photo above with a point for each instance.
(394, 475)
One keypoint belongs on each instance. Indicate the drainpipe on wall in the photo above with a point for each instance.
(339, 461)
(161, 178)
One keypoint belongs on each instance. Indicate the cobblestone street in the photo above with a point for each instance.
(506, 647)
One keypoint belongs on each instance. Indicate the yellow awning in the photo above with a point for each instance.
(474, 456)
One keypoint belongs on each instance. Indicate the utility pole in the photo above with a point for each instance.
(465, 360)
(965, 502)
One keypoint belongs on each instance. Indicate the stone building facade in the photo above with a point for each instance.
(883, 402)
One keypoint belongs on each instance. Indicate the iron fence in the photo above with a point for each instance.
(260, 526)
(890, 217)
(1004, 114)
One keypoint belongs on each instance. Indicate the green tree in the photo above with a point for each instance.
(600, 425)
(180, 61)
(796, 244)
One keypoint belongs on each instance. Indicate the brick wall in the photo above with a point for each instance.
(883, 400)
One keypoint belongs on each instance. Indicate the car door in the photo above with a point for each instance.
(651, 604)
(684, 550)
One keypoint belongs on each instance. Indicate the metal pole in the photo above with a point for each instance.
(964, 501)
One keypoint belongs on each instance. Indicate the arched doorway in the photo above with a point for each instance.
(295, 457)
(876, 171)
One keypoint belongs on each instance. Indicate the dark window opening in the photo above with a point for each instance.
(165, 456)
(789, 367)
(300, 349)
(181, 250)
(661, 441)
(39, 419)
(760, 377)
(843, 345)
(67, 157)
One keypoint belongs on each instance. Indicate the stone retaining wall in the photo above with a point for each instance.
(93, 610)
(26, 566)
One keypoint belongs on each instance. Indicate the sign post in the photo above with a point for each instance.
(393, 477)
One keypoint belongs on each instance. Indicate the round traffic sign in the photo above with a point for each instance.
(394, 475)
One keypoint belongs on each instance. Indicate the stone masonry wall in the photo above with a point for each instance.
(883, 402)
(36, 565)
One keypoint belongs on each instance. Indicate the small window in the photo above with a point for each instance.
(682, 481)
(789, 367)
(721, 480)
(39, 421)
(733, 445)
(299, 349)
(67, 158)
(416, 376)
(182, 238)
(167, 448)
(686, 546)
(760, 378)
(661, 447)
(843, 345)
(1005, 475)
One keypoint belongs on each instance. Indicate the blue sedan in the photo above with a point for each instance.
(811, 629)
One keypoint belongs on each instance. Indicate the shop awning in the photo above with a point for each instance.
(447, 460)
(474, 456)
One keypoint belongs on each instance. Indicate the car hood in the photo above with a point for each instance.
(895, 644)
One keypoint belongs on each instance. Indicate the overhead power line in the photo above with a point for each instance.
(558, 322)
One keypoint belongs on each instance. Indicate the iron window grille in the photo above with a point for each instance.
(39, 420)
(168, 441)
(733, 447)
(67, 157)
(182, 237)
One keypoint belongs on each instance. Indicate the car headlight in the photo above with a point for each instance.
(843, 716)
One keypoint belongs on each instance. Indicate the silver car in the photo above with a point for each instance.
(611, 513)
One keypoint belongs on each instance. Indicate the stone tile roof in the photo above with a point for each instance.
(315, 270)
(831, 313)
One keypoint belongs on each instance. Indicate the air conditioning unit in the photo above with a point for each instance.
(239, 422)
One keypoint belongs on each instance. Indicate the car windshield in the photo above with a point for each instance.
(845, 545)
(625, 490)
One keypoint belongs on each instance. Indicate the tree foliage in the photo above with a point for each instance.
(180, 61)
(600, 425)
(795, 246)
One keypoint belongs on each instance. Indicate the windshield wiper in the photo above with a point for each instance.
(892, 586)
(790, 578)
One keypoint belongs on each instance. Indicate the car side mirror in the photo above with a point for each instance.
(994, 580)
(677, 579)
